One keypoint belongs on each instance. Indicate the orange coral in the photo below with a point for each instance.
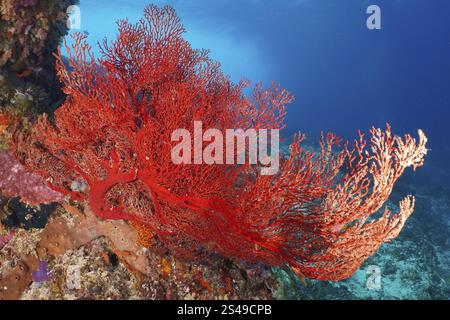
(166, 268)
(144, 234)
(202, 282)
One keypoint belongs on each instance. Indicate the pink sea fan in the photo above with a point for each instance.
(15, 181)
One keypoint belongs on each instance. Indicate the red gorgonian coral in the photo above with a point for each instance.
(110, 144)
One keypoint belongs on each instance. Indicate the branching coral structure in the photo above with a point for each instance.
(110, 144)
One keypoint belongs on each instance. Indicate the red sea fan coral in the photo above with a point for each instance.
(110, 144)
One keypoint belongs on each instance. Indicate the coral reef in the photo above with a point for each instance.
(15, 180)
(20, 215)
(6, 122)
(5, 237)
(93, 277)
(30, 32)
(105, 255)
(98, 278)
(322, 216)
(60, 236)
(109, 144)
(69, 233)
(41, 274)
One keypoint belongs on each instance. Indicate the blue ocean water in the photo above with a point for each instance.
(345, 77)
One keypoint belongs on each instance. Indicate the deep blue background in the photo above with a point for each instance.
(344, 76)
